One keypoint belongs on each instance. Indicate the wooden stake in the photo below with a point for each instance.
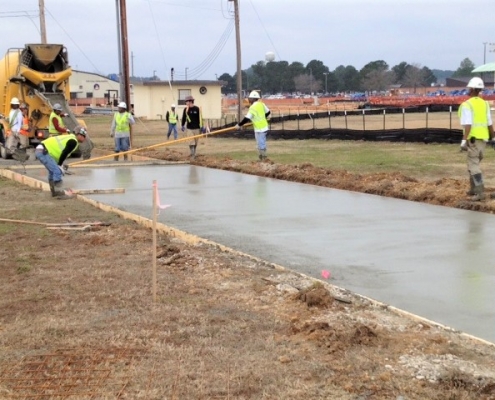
(155, 195)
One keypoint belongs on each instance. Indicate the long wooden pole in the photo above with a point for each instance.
(155, 194)
(153, 146)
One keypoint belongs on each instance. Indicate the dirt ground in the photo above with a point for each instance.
(77, 319)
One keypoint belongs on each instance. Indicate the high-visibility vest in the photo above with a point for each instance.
(257, 110)
(122, 122)
(51, 127)
(479, 110)
(25, 126)
(172, 117)
(55, 145)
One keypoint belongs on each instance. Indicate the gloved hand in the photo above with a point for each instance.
(183, 128)
(61, 170)
(65, 167)
(112, 134)
(237, 127)
(464, 145)
(203, 130)
(67, 130)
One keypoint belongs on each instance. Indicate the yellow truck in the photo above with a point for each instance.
(38, 75)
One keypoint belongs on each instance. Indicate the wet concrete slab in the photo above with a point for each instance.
(436, 262)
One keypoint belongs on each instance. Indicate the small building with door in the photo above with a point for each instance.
(149, 99)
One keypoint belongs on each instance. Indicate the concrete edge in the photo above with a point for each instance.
(194, 240)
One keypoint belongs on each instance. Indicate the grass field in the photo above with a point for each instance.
(418, 160)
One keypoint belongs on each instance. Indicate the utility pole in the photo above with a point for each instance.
(124, 59)
(326, 87)
(238, 52)
(42, 21)
(132, 64)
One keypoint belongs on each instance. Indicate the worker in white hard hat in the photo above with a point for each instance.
(172, 117)
(56, 125)
(13, 136)
(121, 130)
(257, 114)
(476, 120)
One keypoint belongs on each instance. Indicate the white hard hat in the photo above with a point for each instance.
(57, 107)
(172, 106)
(254, 95)
(122, 105)
(476, 83)
(14, 101)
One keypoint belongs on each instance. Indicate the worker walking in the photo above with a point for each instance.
(172, 117)
(257, 114)
(15, 124)
(56, 125)
(52, 153)
(476, 120)
(121, 130)
(192, 119)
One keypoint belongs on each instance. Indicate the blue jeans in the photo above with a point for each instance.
(54, 173)
(261, 140)
(172, 128)
(122, 144)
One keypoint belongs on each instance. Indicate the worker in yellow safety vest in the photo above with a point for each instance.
(121, 130)
(172, 117)
(56, 126)
(476, 120)
(257, 114)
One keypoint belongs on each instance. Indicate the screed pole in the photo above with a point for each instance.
(154, 146)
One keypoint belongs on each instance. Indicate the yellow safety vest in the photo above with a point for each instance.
(172, 117)
(122, 122)
(479, 110)
(55, 145)
(51, 127)
(257, 110)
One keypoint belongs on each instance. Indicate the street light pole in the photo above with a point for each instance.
(310, 82)
(326, 88)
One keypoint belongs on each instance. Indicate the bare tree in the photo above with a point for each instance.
(307, 84)
(414, 76)
(378, 79)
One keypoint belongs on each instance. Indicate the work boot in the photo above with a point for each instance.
(191, 149)
(471, 191)
(479, 188)
(52, 188)
(263, 154)
(59, 191)
(125, 157)
(116, 158)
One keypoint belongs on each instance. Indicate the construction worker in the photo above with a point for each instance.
(52, 153)
(476, 120)
(172, 117)
(15, 124)
(121, 130)
(192, 119)
(26, 126)
(257, 114)
(56, 126)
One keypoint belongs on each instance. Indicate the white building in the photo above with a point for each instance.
(151, 99)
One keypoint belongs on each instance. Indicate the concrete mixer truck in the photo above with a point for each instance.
(37, 75)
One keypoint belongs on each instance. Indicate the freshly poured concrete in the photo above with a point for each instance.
(433, 261)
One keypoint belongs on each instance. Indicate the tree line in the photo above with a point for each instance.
(315, 77)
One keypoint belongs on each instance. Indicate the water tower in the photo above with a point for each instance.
(269, 56)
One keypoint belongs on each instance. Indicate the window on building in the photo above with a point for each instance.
(183, 93)
(89, 95)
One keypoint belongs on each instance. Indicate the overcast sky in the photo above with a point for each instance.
(197, 37)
